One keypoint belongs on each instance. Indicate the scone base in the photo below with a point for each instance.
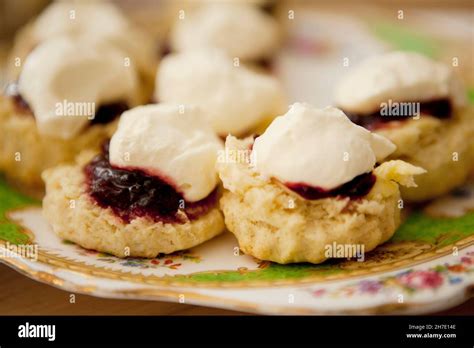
(74, 216)
(24, 153)
(272, 223)
(445, 148)
(269, 231)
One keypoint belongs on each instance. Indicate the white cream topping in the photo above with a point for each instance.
(317, 147)
(99, 21)
(241, 30)
(171, 142)
(234, 98)
(399, 76)
(63, 79)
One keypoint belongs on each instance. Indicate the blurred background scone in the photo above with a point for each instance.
(96, 20)
(68, 95)
(236, 99)
(420, 105)
(242, 30)
(153, 190)
(309, 181)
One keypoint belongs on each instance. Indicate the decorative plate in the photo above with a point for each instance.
(427, 266)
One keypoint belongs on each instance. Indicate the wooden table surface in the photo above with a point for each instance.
(20, 295)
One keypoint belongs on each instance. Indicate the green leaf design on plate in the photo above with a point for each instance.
(470, 95)
(436, 231)
(10, 199)
(418, 227)
(272, 272)
(404, 39)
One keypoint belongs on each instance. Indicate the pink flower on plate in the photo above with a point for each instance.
(421, 279)
(467, 260)
(370, 286)
(319, 292)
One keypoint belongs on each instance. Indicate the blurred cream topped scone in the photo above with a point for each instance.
(241, 30)
(311, 183)
(236, 100)
(66, 69)
(153, 189)
(100, 21)
(420, 105)
(67, 97)
(401, 77)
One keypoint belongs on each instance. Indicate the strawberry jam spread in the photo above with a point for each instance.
(131, 193)
(105, 113)
(354, 189)
(439, 108)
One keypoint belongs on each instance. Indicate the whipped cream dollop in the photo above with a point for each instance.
(170, 142)
(65, 78)
(317, 147)
(99, 21)
(401, 77)
(241, 30)
(234, 98)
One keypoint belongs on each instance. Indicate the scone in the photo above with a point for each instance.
(308, 183)
(236, 99)
(241, 30)
(153, 190)
(67, 98)
(101, 21)
(421, 107)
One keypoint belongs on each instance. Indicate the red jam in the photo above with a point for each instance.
(109, 112)
(266, 64)
(164, 49)
(105, 113)
(21, 106)
(440, 108)
(133, 193)
(354, 189)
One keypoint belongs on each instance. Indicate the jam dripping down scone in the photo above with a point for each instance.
(67, 99)
(420, 105)
(154, 189)
(308, 182)
(237, 100)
